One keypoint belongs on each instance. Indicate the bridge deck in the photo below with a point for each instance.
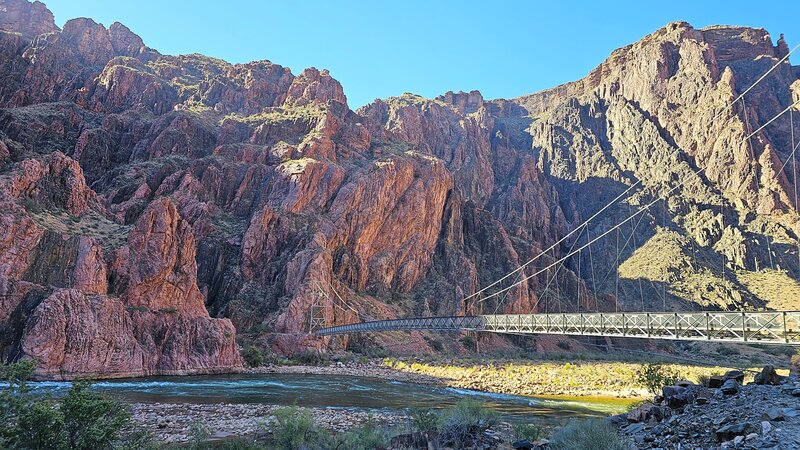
(766, 327)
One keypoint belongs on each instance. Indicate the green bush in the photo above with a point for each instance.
(310, 357)
(589, 434)
(656, 376)
(527, 431)
(84, 420)
(92, 421)
(469, 343)
(365, 437)
(465, 422)
(253, 356)
(40, 426)
(199, 434)
(423, 420)
(259, 328)
(228, 444)
(294, 428)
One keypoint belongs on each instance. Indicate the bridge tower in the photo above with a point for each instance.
(316, 313)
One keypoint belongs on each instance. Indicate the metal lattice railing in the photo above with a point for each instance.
(767, 327)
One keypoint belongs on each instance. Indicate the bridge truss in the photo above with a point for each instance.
(763, 327)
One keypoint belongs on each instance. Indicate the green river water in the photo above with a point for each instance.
(335, 391)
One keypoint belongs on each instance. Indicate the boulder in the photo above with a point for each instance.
(645, 412)
(672, 391)
(522, 444)
(728, 432)
(737, 375)
(774, 415)
(716, 382)
(768, 376)
(729, 387)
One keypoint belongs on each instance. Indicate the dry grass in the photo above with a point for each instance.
(308, 113)
(776, 288)
(661, 258)
(110, 235)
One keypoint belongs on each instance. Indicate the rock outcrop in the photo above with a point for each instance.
(151, 203)
(759, 415)
(29, 19)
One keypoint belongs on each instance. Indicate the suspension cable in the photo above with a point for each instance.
(530, 261)
(773, 119)
(608, 205)
(756, 82)
(629, 218)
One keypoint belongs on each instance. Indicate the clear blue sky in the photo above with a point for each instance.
(381, 48)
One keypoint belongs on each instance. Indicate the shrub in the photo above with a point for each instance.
(199, 434)
(84, 421)
(310, 357)
(589, 434)
(365, 437)
(465, 422)
(564, 345)
(656, 376)
(92, 421)
(253, 356)
(294, 428)
(468, 342)
(423, 420)
(259, 328)
(40, 426)
(437, 345)
(527, 431)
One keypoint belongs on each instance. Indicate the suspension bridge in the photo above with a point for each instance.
(762, 327)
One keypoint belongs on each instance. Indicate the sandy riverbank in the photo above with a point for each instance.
(591, 379)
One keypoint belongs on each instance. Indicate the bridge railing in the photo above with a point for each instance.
(419, 323)
(778, 327)
(769, 327)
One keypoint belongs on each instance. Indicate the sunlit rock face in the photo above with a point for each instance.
(154, 206)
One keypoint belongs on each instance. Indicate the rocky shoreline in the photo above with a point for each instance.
(763, 414)
(172, 422)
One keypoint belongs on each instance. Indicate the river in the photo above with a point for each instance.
(335, 391)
